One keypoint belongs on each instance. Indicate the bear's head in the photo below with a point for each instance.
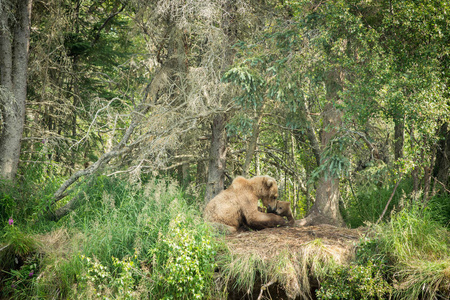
(268, 192)
(284, 209)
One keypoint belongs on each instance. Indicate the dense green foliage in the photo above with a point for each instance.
(354, 282)
(131, 239)
(144, 240)
(150, 77)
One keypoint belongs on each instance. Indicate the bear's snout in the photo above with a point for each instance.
(271, 209)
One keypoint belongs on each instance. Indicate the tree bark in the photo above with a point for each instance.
(442, 163)
(325, 209)
(14, 44)
(311, 132)
(218, 148)
(399, 137)
(217, 158)
(253, 142)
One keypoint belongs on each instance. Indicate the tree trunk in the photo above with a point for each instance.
(311, 132)
(325, 209)
(218, 150)
(399, 137)
(415, 171)
(14, 44)
(442, 163)
(253, 142)
(217, 157)
(183, 175)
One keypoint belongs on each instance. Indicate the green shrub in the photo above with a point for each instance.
(354, 282)
(183, 262)
(439, 207)
(130, 241)
(20, 283)
(98, 281)
(15, 243)
(18, 261)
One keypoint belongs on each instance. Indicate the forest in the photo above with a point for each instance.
(121, 119)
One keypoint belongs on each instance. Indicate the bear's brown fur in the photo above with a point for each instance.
(283, 209)
(238, 205)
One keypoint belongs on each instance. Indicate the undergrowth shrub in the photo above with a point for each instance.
(364, 278)
(439, 207)
(20, 283)
(417, 249)
(18, 261)
(98, 281)
(354, 282)
(28, 198)
(130, 241)
(16, 242)
(367, 203)
(182, 263)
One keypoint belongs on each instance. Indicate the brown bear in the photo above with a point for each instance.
(283, 209)
(238, 205)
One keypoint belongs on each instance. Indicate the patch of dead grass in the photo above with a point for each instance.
(290, 256)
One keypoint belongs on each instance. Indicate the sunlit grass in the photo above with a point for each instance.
(121, 225)
(292, 271)
(418, 249)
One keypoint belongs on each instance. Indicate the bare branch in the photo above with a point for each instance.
(264, 287)
(373, 150)
(118, 150)
(389, 201)
(97, 36)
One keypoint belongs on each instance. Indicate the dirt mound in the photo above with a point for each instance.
(280, 239)
(289, 258)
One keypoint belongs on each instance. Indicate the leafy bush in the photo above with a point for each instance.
(18, 242)
(128, 241)
(183, 263)
(354, 282)
(19, 283)
(18, 261)
(27, 200)
(98, 281)
(367, 203)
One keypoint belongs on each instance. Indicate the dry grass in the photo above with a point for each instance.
(292, 257)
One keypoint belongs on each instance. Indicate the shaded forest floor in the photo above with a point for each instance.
(300, 246)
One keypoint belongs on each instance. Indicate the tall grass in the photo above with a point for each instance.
(292, 271)
(366, 203)
(418, 250)
(127, 241)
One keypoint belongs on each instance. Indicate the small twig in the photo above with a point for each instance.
(264, 287)
(1, 249)
(443, 185)
(389, 201)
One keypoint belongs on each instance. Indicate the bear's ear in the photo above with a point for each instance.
(269, 182)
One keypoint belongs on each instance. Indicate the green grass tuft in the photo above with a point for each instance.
(418, 251)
